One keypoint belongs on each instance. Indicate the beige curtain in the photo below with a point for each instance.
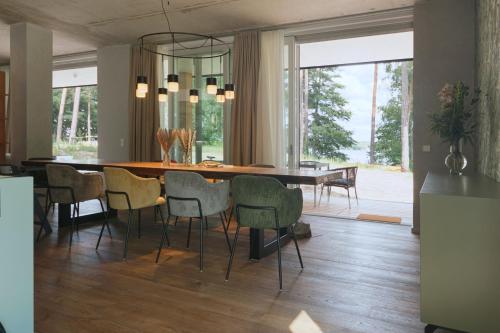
(244, 108)
(144, 114)
(270, 145)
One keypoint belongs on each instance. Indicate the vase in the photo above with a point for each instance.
(187, 157)
(456, 161)
(166, 158)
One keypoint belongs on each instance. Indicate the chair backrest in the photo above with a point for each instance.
(351, 173)
(63, 176)
(187, 185)
(258, 191)
(8, 170)
(120, 181)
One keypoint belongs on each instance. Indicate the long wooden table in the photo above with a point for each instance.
(258, 247)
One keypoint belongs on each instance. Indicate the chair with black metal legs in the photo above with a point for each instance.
(264, 203)
(68, 186)
(190, 195)
(126, 191)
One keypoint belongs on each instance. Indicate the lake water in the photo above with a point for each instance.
(356, 155)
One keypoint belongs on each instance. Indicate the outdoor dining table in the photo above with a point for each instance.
(258, 247)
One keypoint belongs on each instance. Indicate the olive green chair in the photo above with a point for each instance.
(126, 191)
(265, 203)
(190, 195)
(68, 186)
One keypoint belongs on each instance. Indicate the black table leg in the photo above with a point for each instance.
(64, 215)
(258, 246)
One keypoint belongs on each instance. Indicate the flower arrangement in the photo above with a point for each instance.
(455, 121)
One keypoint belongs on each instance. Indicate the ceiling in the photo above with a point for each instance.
(81, 26)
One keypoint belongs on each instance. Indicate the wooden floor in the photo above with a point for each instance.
(358, 277)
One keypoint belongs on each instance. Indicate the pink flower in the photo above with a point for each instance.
(446, 94)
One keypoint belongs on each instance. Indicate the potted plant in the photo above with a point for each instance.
(455, 122)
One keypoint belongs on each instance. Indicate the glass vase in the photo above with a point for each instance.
(455, 160)
(187, 157)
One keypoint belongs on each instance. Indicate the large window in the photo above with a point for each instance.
(74, 113)
(207, 116)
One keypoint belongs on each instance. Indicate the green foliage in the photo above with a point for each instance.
(326, 137)
(212, 120)
(388, 134)
(388, 147)
(88, 92)
(455, 120)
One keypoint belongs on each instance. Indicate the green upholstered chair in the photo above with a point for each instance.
(265, 203)
(68, 186)
(126, 191)
(188, 194)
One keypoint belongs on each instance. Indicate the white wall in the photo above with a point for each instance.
(113, 77)
(444, 44)
(31, 91)
(16, 254)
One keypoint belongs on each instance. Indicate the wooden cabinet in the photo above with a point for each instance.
(460, 252)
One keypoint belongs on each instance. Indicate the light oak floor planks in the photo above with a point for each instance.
(358, 277)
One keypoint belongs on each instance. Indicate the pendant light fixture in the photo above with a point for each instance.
(142, 81)
(162, 94)
(172, 84)
(142, 84)
(173, 79)
(211, 81)
(229, 87)
(193, 96)
(220, 97)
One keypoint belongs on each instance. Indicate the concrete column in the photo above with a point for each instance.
(31, 91)
(444, 44)
(113, 84)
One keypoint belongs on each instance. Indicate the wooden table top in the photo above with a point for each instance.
(287, 176)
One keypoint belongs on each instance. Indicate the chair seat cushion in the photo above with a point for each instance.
(340, 182)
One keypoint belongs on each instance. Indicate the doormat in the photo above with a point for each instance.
(378, 218)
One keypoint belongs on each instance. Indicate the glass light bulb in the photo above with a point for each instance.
(140, 94)
(162, 98)
(211, 89)
(142, 87)
(173, 86)
(220, 99)
(193, 99)
(229, 94)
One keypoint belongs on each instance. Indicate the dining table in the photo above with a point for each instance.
(259, 247)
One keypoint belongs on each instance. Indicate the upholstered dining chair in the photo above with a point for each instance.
(68, 186)
(265, 203)
(126, 191)
(188, 194)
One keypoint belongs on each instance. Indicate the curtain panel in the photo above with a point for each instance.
(244, 107)
(144, 114)
(270, 138)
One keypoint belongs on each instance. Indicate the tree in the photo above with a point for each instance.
(374, 114)
(394, 138)
(405, 118)
(60, 114)
(74, 119)
(327, 137)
